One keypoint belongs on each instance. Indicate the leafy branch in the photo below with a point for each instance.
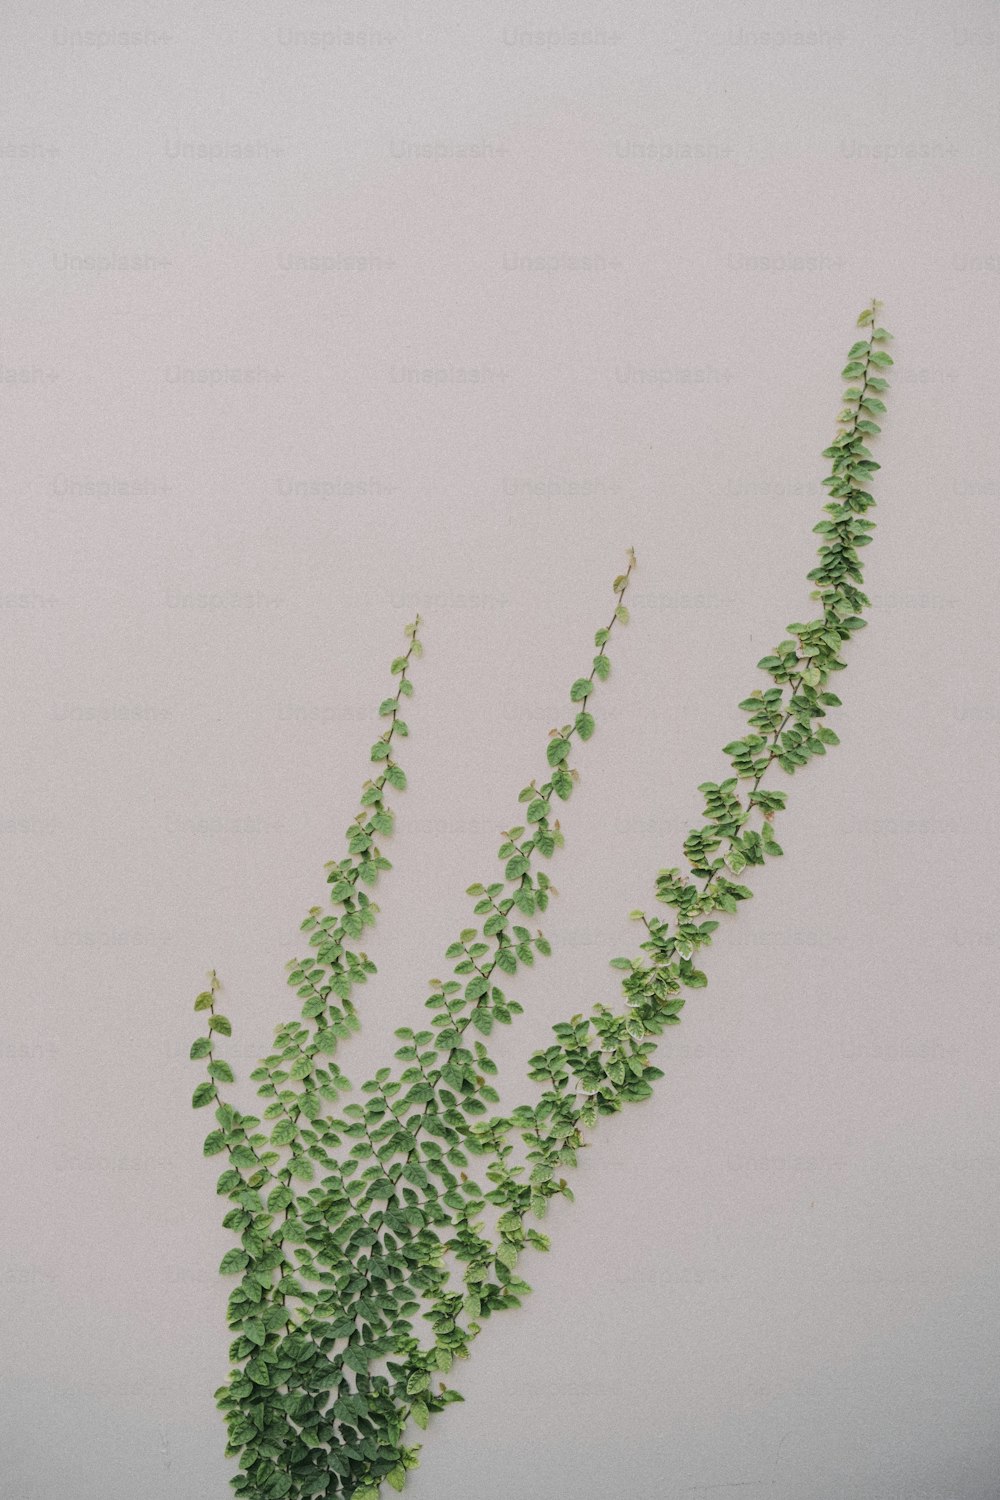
(329, 1368)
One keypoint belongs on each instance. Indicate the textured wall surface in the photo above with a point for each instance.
(314, 317)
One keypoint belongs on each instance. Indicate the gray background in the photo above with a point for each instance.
(780, 1275)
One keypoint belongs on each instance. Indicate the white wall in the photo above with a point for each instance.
(780, 1275)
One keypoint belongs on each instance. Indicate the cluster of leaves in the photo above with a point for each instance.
(355, 1223)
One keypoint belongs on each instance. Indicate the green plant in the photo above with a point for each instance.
(359, 1227)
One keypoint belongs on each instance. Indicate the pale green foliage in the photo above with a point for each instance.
(369, 1256)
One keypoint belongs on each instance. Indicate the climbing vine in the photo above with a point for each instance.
(375, 1238)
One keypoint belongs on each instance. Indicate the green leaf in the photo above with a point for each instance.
(582, 688)
(204, 1001)
(557, 750)
(602, 667)
(420, 1414)
(221, 1070)
(880, 357)
(396, 1477)
(562, 785)
(584, 725)
(221, 1024)
(203, 1094)
(201, 1047)
(233, 1261)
